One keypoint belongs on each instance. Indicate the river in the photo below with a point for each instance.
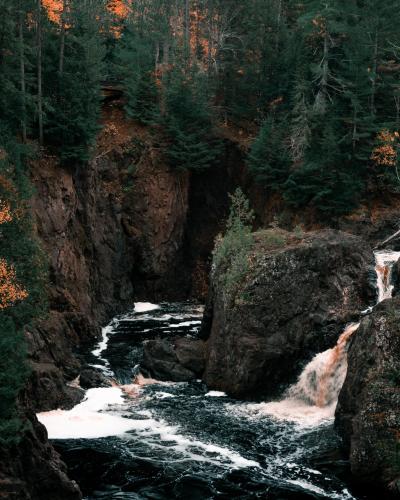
(159, 440)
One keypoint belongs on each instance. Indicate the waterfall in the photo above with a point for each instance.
(384, 267)
(321, 380)
(313, 398)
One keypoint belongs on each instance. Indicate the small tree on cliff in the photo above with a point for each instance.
(232, 250)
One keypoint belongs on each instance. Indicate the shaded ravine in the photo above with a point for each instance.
(150, 439)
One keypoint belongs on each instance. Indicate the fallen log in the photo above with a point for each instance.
(388, 240)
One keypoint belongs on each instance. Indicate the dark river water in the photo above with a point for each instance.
(180, 440)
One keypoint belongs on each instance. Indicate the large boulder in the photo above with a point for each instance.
(179, 360)
(368, 412)
(294, 302)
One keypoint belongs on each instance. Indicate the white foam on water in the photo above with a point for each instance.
(102, 345)
(216, 394)
(296, 411)
(89, 419)
(344, 495)
(185, 323)
(161, 435)
(307, 486)
(99, 415)
(163, 395)
(141, 307)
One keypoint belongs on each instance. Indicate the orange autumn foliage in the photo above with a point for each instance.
(385, 154)
(10, 291)
(119, 8)
(5, 213)
(54, 9)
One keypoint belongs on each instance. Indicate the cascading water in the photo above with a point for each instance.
(314, 397)
(384, 267)
(142, 439)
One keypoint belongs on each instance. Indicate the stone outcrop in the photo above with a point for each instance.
(33, 470)
(181, 360)
(294, 302)
(368, 412)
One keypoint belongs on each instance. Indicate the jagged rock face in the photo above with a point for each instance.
(368, 412)
(32, 470)
(294, 303)
(111, 234)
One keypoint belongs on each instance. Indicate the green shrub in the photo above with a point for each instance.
(232, 250)
(273, 238)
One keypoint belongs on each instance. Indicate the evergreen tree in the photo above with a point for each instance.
(73, 125)
(136, 63)
(268, 159)
(22, 278)
(188, 124)
(324, 181)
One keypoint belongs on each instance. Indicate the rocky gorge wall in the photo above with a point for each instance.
(368, 411)
(127, 227)
(112, 231)
(97, 230)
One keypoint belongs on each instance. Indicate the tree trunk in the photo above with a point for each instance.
(374, 73)
(278, 24)
(22, 72)
(62, 40)
(325, 69)
(166, 53)
(388, 240)
(39, 71)
(187, 29)
(157, 57)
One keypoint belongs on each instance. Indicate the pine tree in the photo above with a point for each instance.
(188, 124)
(136, 66)
(73, 124)
(22, 278)
(324, 181)
(268, 159)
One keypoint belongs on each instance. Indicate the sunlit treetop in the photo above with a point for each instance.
(10, 291)
(5, 212)
(119, 8)
(385, 153)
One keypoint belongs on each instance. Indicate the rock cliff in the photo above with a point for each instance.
(368, 412)
(112, 231)
(294, 303)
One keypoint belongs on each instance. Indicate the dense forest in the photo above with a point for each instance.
(315, 84)
(312, 87)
